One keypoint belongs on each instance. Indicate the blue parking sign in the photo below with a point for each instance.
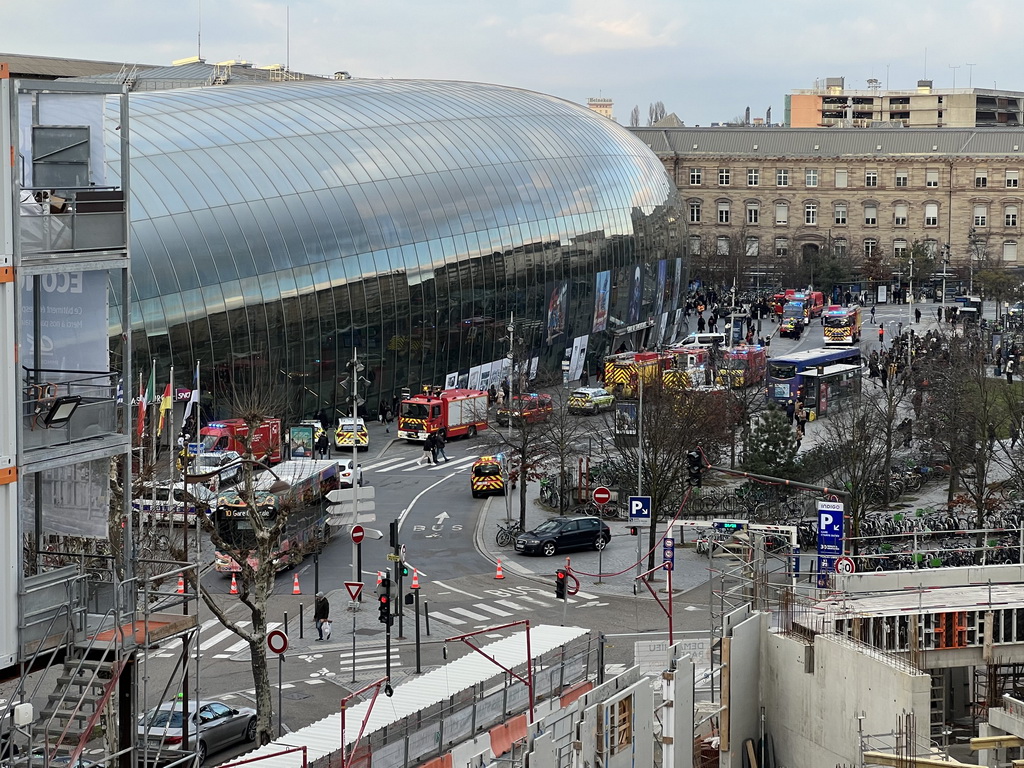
(639, 507)
(830, 539)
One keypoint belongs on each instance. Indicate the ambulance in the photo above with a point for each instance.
(487, 476)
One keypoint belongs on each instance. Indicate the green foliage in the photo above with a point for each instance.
(771, 447)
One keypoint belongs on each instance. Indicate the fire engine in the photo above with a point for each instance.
(457, 411)
(842, 326)
(624, 372)
(743, 366)
(229, 435)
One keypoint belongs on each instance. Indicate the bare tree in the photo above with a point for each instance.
(634, 116)
(655, 112)
(253, 401)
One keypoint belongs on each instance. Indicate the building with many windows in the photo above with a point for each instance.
(765, 199)
(831, 104)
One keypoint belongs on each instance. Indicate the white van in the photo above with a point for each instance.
(707, 340)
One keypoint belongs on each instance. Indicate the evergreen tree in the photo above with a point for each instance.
(771, 447)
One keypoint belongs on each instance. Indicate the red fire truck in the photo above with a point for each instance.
(457, 411)
(229, 435)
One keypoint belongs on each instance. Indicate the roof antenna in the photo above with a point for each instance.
(199, 34)
(287, 38)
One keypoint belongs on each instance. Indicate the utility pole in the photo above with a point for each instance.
(351, 383)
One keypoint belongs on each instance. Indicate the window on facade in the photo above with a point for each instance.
(842, 178)
(695, 249)
(1010, 216)
(724, 176)
(696, 177)
(753, 213)
(870, 246)
(723, 212)
(840, 211)
(782, 177)
(781, 247)
(931, 215)
(871, 215)
(899, 249)
(980, 216)
(753, 247)
(811, 213)
(870, 178)
(722, 246)
(840, 247)
(695, 208)
(980, 179)
(902, 178)
(900, 213)
(1010, 250)
(811, 177)
(753, 177)
(781, 213)
(1012, 179)
(931, 178)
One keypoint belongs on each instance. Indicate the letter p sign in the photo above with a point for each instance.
(639, 507)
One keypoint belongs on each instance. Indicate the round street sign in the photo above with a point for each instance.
(357, 533)
(845, 565)
(602, 495)
(277, 641)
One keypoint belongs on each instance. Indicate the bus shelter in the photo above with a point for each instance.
(829, 388)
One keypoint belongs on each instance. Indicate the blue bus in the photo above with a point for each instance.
(786, 377)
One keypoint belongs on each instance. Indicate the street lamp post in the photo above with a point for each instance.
(945, 269)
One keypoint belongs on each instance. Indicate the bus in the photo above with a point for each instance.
(306, 529)
(842, 326)
(785, 373)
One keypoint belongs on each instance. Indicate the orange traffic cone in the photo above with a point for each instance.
(296, 590)
(498, 574)
(380, 578)
(181, 584)
(415, 579)
(234, 585)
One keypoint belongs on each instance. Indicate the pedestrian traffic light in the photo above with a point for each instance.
(384, 609)
(634, 530)
(560, 577)
(694, 467)
(405, 570)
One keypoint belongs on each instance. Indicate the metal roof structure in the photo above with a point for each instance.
(59, 66)
(833, 142)
(927, 600)
(322, 738)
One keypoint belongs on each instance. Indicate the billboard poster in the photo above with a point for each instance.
(300, 442)
(602, 295)
(73, 321)
(451, 380)
(578, 356)
(474, 377)
(557, 308)
(659, 291)
(636, 295)
(677, 283)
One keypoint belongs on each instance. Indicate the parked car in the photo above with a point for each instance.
(530, 409)
(346, 473)
(706, 340)
(590, 400)
(561, 533)
(228, 462)
(213, 726)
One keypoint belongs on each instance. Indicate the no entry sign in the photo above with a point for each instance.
(602, 495)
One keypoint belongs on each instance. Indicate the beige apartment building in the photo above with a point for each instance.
(769, 196)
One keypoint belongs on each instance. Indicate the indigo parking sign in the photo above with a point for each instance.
(830, 538)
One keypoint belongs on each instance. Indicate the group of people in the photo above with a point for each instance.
(433, 447)
(796, 414)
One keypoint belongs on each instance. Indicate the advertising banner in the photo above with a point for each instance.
(602, 295)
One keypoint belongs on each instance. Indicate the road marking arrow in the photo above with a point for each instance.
(441, 517)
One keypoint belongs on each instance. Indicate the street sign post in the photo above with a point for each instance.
(357, 535)
(830, 539)
(354, 588)
(639, 507)
(602, 495)
(845, 565)
(668, 553)
(277, 641)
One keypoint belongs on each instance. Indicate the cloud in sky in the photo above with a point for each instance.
(707, 61)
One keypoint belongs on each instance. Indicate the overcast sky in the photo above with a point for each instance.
(706, 60)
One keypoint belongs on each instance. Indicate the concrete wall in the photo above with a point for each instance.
(741, 681)
(812, 716)
(886, 581)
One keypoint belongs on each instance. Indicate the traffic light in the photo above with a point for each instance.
(393, 534)
(694, 467)
(404, 569)
(560, 577)
(384, 588)
(384, 609)
(634, 530)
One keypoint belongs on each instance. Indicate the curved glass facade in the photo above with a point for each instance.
(288, 223)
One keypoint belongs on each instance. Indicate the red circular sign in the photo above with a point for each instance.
(602, 495)
(277, 641)
(357, 533)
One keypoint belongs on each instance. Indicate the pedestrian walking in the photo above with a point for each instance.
(432, 447)
(917, 316)
(883, 373)
(389, 416)
(701, 323)
(881, 334)
(1011, 364)
(426, 450)
(321, 614)
(1014, 433)
(441, 439)
(584, 378)
(323, 444)
(790, 411)
(938, 314)
(872, 314)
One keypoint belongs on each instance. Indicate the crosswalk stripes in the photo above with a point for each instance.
(410, 465)
(367, 659)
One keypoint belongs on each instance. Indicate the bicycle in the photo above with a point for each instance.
(507, 532)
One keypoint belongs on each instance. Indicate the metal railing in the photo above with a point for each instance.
(73, 220)
(95, 415)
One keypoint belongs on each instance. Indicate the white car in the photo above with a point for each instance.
(346, 473)
(163, 503)
(229, 462)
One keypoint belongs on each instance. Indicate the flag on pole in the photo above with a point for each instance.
(165, 405)
(193, 398)
(146, 396)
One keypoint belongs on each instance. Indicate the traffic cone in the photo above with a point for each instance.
(181, 584)
(380, 578)
(234, 585)
(498, 574)
(296, 589)
(415, 579)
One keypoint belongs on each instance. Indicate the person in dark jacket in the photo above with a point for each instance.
(321, 613)
(323, 445)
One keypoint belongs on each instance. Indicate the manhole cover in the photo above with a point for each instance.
(367, 632)
(297, 696)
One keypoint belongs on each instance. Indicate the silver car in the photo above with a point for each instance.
(219, 726)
